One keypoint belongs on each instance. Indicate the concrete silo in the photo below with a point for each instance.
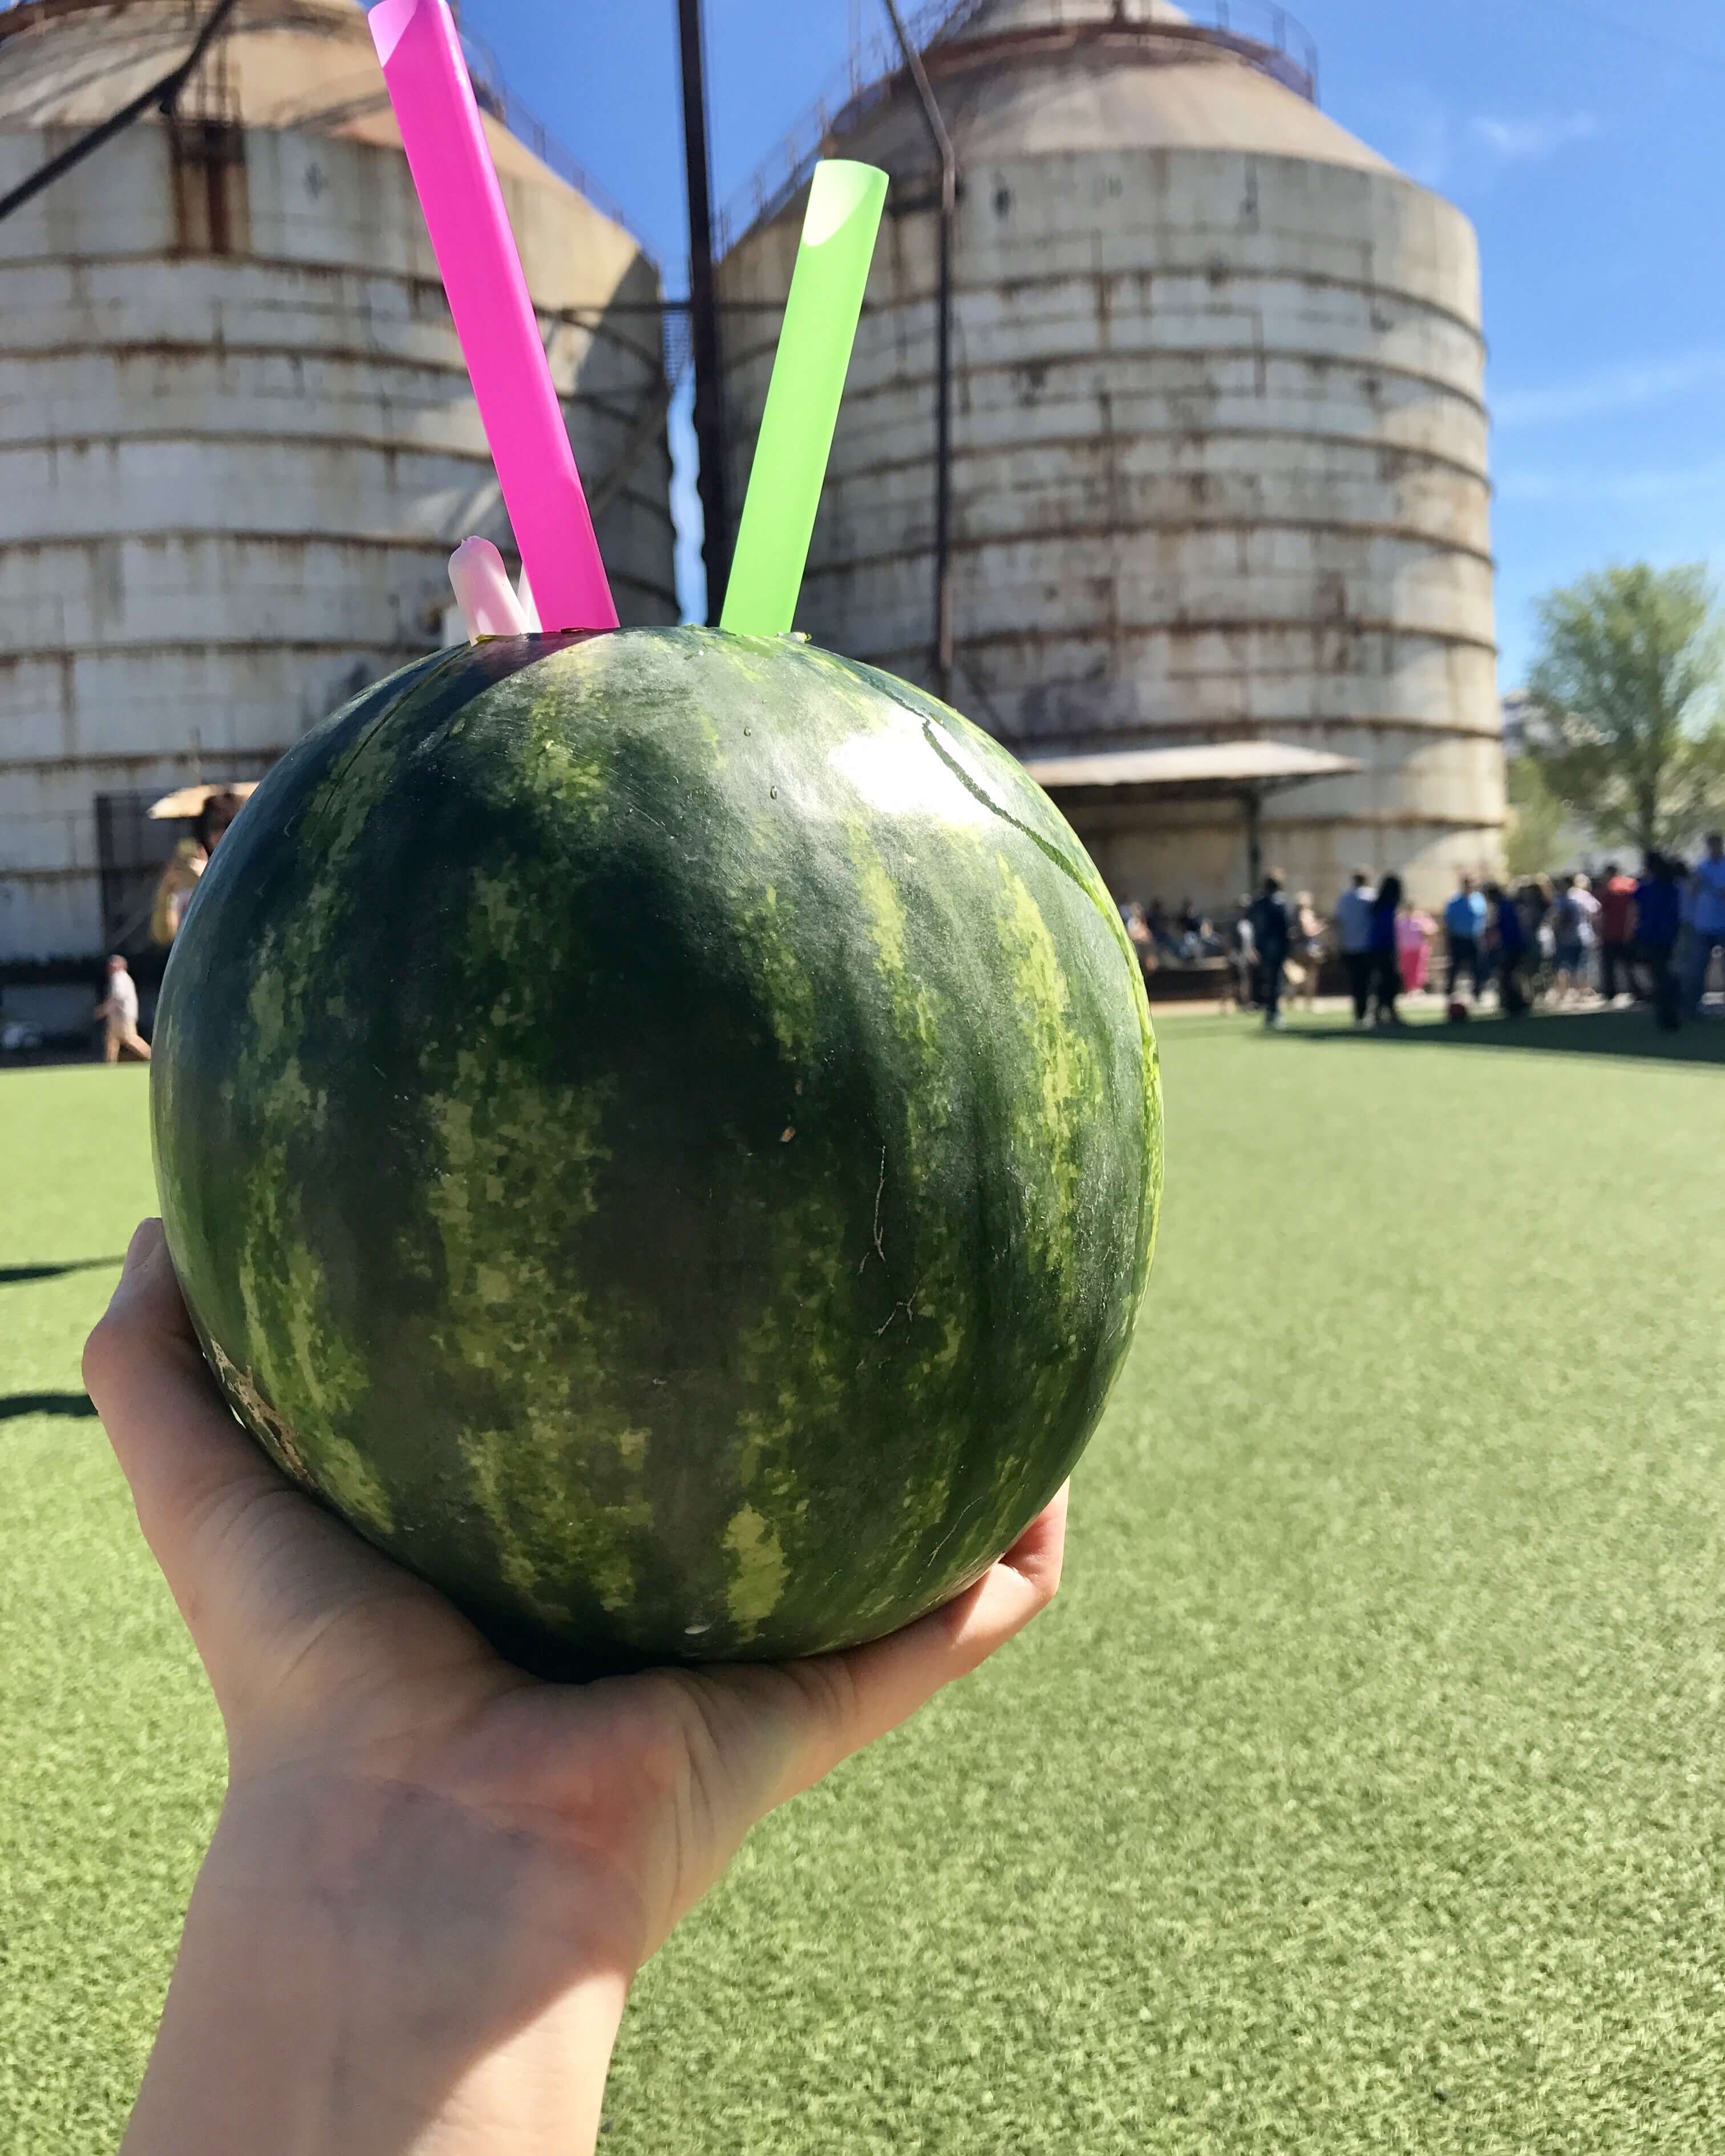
(1219, 471)
(237, 439)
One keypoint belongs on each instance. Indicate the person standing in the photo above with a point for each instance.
(1617, 933)
(1353, 938)
(1413, 931)
(119, 1013)
(1572, 924)
(1386, 965)
(1464, 932)
(1707, 927)
(1242, 956)
(1538, 899)
(1659, 916)
(1272, 934)
(1143, 943)
(1507, 936)
(1309, 942)
(191, 858)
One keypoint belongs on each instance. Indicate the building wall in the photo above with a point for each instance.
(1220, 471)
(230, 483)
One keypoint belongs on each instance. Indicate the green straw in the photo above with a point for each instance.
(820, 317)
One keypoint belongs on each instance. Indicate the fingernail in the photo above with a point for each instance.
(142, 1239)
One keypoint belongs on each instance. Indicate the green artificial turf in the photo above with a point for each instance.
(1364, 1791)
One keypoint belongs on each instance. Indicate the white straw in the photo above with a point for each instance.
(484, 592)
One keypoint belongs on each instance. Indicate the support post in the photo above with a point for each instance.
(1253, 801)
(943, 632)
(704, 313)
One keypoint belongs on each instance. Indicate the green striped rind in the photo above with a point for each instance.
(662, 1132)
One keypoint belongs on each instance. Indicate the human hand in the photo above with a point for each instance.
(434, 1877)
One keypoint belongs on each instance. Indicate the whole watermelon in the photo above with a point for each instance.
(661, 1131)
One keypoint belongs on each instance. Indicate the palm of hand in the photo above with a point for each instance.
(611, 1807)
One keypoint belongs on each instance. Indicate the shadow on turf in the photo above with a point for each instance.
(76, 1404)
(11, 1276)
(1630, 1033)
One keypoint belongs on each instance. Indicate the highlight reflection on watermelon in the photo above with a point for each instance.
(661, 1131)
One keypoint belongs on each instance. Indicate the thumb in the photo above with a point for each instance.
(255, 1565)
(183, 1454)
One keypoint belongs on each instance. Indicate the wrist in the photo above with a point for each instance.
(369, 1967)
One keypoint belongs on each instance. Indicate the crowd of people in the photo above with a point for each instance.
(1571, 940)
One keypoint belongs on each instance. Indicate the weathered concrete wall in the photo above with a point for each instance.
(230, 483)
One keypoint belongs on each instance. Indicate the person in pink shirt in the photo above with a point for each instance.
(1413, 931)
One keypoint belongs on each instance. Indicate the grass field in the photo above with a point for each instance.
(1364, 1791)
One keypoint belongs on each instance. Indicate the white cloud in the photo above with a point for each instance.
(1522, 141)
(1609, 389)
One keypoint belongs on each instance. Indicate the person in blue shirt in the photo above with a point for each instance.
(1707, 924)
(1464, 927)
(1507, 936)
(1659, 916)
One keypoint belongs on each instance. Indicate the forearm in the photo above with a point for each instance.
(380, 1983)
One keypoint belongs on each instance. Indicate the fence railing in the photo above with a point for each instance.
(1260, 31)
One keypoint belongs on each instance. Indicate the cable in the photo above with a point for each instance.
(162, 95)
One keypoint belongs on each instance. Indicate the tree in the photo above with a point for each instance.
(1624, 720)
(1537, 818)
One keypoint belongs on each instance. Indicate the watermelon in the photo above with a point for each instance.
(660, 1131)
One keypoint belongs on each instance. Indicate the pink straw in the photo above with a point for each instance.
(451, 164)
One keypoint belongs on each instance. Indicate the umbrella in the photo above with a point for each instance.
(191, 798)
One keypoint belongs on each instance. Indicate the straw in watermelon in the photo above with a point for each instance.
(483, 591)
(820, 317)
(451, 164)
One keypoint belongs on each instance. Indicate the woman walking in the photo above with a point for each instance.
(1386, 968)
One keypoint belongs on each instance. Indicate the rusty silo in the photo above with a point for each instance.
(1218, 472)
(237, 439)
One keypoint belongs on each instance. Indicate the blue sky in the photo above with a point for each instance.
(1586, 150)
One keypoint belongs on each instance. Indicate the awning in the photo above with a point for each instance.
(191, 798)
(1209, 768)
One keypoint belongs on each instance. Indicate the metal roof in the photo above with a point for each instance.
(1121, 87)
(1034, 78)
(1218, 766)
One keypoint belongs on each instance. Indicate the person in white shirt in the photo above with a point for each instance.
(119, 1013)
(1575, 925)
(1353, 938)
(1706, 931)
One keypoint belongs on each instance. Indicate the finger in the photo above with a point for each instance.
(890, 1679)
(179, 1448)
(253, 1563)
(846, 1701)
